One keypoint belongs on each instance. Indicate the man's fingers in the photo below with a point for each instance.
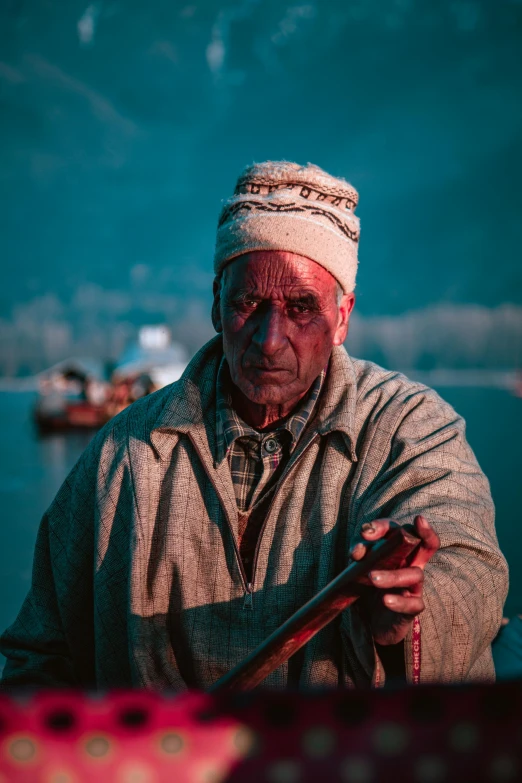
(404, 604)
(403, 577)
(358, 551)
(370, 531)
(430, 542)
(425, 531)
(398, 598)
(373, 531)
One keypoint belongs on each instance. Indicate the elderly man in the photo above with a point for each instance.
(203, 516)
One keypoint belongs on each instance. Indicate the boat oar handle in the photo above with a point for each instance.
(390, 552)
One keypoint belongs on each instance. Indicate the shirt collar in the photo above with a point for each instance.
(229, 425)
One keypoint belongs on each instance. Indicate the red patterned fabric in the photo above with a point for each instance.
(418, 734)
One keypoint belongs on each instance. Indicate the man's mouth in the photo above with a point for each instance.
(266, 370)
(262, 368)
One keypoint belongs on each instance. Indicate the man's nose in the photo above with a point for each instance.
(270, 334)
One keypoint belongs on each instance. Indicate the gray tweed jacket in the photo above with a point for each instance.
(136, 578)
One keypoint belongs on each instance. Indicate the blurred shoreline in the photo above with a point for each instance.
(102, 324)
(510, 380)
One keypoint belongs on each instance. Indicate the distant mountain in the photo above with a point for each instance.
(125, 124)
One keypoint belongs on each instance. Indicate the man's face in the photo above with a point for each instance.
(280, 316)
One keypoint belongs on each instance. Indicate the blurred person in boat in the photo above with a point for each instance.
(204, 515)
(141, 386)
(72, 395)
(120, 396)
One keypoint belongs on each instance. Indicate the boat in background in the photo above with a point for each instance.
(77, 394)
(152, 363)
(154, 355)
(72, 394)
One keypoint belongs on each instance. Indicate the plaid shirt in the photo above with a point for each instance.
(256, 459)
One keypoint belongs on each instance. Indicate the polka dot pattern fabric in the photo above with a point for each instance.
(422, 735)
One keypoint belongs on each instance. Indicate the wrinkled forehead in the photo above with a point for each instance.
(277, 273)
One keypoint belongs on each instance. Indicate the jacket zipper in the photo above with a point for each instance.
(247, 586)
(263, 526)
(248, 603)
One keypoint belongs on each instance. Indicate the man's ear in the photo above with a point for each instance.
(345, 310)
(216, 310)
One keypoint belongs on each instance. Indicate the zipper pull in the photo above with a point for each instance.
(249, 597)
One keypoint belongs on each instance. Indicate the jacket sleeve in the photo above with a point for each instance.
(50, 644)
(421, 463)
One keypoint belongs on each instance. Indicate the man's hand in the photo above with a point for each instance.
(398, 598)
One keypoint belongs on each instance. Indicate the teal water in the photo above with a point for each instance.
(32, 469)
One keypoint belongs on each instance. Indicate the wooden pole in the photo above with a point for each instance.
(389, 552)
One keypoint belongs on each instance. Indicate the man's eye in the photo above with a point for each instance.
(300, 308)
(247, 304)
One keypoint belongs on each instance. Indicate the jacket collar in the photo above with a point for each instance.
(190, 402)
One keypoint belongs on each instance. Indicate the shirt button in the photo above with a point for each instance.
(271, 445)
